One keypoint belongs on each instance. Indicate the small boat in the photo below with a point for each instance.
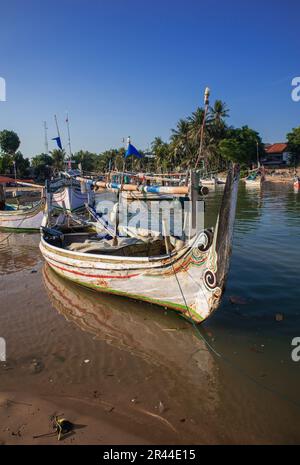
(21, 217)
(188, 276)
(256, 178)
(208, 182)
(297, 183)
(66, 196)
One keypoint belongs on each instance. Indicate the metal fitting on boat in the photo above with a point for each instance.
(203, 190)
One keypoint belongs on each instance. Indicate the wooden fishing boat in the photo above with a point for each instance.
(22, 218)
(66, 195)
(189, 277)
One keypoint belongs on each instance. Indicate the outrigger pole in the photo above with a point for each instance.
(206, 104)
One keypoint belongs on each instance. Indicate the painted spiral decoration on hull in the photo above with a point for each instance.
(210, 279)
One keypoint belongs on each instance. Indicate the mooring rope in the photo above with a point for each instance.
(225, 358)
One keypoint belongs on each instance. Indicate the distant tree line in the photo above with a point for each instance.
(221, 144)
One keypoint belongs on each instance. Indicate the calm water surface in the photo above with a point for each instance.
(141, 357)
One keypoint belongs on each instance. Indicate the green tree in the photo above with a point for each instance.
(9, 142)
(217, 113)
(181, 146)
(22, 165)
(58, 158)
(195, 122)
(6, 164)
(42, 166)
(112, 159)
(161, 151)
(87, 159)
(240, 145)
(293, 139)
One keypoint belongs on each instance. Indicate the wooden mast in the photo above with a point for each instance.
(206, 104)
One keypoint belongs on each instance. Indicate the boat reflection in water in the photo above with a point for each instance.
(151, 333)
(18, 251)
(156, 346)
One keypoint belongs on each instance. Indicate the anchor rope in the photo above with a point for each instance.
(227, 359)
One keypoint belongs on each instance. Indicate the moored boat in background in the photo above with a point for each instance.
(256, 178)
(20, 217)
(296, 183)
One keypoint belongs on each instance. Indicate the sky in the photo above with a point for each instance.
(128, 67)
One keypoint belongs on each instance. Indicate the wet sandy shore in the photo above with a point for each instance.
(130, 373)
(28, 419)
(115, 377)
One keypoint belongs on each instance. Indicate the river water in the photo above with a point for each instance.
(151, 364)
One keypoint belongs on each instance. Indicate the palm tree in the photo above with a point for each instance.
(196, 121)
(181, 145)
(219, 112)
(58, 157)
(161, 152)
(216, 120)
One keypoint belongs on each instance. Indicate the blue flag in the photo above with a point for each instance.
(58, 141)
(131, 150)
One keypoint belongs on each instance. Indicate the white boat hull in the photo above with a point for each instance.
(28, 219)
(147, 279)
(191, 280)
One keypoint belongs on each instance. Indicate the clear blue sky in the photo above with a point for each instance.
(123, 67)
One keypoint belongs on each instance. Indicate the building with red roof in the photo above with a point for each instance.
(7, 181)
(276, 154)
